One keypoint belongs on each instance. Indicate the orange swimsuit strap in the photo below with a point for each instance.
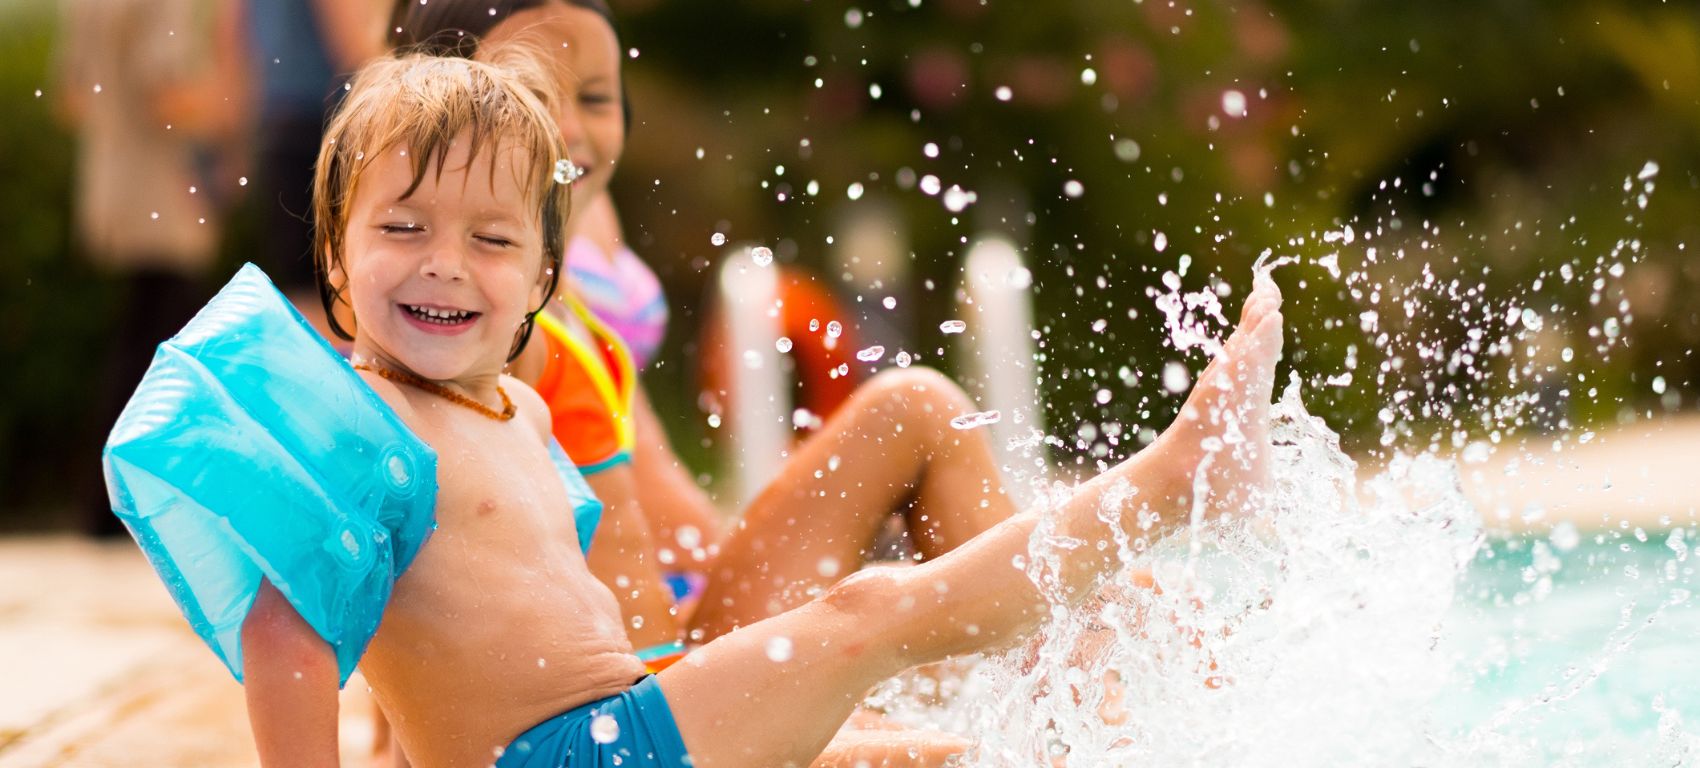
(588, 385)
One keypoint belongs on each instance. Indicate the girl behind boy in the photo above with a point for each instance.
(775, 557)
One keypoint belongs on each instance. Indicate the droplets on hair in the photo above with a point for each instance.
(567, 172)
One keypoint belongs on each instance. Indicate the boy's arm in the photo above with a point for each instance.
(290, 678)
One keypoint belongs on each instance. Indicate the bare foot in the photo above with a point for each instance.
(1217, 448)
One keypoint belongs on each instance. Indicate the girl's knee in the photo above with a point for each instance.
(921, 390)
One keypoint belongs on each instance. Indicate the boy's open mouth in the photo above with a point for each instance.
(439, 316)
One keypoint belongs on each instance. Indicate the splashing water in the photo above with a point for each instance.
(976, 419)
(1313, 614)
(1352, 617)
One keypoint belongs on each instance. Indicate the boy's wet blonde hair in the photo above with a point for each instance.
(424, 103)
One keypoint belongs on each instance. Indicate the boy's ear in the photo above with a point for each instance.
(539, 290)
(336, 297)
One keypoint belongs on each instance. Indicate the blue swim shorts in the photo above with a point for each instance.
(634, 729)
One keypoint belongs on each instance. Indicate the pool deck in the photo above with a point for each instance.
(1637, 476)
(98, 669)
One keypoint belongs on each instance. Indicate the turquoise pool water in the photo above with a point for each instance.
(1574, 645)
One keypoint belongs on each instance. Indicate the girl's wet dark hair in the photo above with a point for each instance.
(457, 27)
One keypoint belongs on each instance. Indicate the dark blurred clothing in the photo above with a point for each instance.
(297, 84)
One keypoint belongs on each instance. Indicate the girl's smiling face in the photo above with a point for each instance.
(440, 278)
(585, 63)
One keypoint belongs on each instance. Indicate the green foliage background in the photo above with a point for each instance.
(1518, 116)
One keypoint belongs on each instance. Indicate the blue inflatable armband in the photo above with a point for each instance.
(252, 449)
(587, 509)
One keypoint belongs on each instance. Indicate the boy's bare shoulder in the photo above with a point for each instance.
(391, 394)
(528, 406)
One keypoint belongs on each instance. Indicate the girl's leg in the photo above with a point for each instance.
(775, 692)
(815, 522)
(623, 557)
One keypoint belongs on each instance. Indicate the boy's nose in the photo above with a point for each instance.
(445, 263)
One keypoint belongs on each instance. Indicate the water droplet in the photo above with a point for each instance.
(853, 18)
(761, 255)
(779, 649)
(814, 324)
(1233, 103)
(1004, 93)
(1160, 242)
(783, 344)
(566, 172)
(1073, 188)
(1088, 76)
(890, 302)
(953, 326)
(688, 536)
(930, 184)
(956, 199)
(855, 191)
(1648, 171)
(1127, 150)
(871, 354)
(834, 329)
(242, 181)
(827, 567)
(1564, 536)
(1020, 278)
(903, 359)
(604, 729)
(976, 419)
(1176, 379)
(714, 421)
(718, 238)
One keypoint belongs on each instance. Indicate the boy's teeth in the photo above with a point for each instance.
(439, 315)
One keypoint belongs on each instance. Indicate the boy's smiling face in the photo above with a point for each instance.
(441, 279)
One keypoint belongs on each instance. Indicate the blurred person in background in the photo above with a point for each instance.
(301, 52)
(153, 92)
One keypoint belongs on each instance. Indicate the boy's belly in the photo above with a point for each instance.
(475, 650)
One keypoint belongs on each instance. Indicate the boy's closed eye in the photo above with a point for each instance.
(596, 99)
(494, 240)
(402, 228)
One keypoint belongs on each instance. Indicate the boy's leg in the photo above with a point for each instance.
(814, 523)
(775, 692)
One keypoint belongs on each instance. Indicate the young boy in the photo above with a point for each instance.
(440, 234)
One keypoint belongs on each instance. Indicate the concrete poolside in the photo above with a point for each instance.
(97, 668)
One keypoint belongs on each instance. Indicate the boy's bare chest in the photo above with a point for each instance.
(499, 490)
